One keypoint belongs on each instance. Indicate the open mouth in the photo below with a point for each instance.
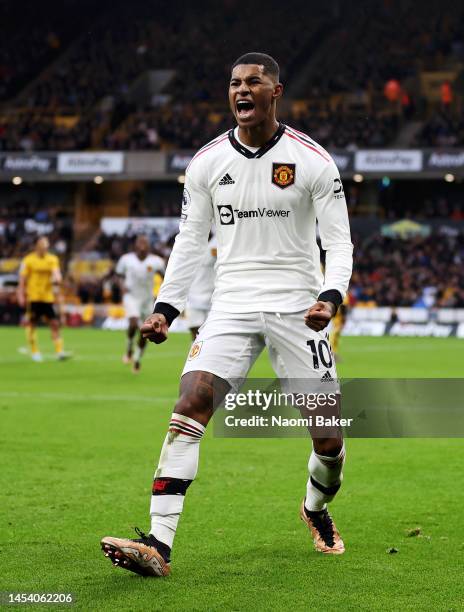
(245, 108)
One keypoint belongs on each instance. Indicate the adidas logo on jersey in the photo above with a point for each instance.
(327, 377)
(227, 180)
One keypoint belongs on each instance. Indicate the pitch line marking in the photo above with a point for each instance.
(83, 398)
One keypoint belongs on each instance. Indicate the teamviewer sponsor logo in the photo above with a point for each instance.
(226, 214)
(259, 213)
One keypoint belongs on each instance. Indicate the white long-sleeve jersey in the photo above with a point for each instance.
(264, 204)
(202, 288)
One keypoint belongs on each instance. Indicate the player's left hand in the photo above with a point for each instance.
(318, 316)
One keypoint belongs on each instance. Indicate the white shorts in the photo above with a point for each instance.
(195, 317)
(228, 344)
(137, 308)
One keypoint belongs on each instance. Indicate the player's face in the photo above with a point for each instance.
(252, 94)
(42, 245)
(142, 247)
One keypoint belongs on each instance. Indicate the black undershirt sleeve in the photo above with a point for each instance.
(331, 295)
(167, 310)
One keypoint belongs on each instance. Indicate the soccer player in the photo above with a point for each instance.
(199, 297)
(264, 184)
(137, 271)
(39, 284)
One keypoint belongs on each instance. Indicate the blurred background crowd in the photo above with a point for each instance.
(74, 76)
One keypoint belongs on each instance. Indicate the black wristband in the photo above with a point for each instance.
(167, 310)
(331, 295)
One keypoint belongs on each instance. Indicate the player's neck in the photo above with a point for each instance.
(258, 135)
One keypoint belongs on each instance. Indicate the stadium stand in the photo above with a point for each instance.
(419, 272)
(24, 215)
(384, 40)
(444, 128)
(89, 90)
(76, 102)
(35, 38)
(190, 126)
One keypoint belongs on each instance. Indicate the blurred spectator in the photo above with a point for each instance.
(392, 90)
(444, 128)
(446, 94)
(191, 126)
(420, 271)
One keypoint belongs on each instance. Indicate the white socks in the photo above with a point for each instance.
(324, 480)
(177, 467)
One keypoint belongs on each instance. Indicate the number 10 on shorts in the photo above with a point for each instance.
(321, 352)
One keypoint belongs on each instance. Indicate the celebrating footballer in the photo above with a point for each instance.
(264, 185)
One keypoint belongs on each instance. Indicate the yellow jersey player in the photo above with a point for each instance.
(39, 281)
(338, 323)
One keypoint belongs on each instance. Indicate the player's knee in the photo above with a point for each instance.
(328, 447)
(200, 393)
(192, 403)
(196, 398)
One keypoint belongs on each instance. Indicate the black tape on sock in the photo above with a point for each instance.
(326, 490)
(170, 486)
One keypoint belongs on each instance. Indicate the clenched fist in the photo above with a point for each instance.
(318, 316)
(155, 328)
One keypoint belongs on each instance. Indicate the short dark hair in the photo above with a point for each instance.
(141, 237)
(262, 59)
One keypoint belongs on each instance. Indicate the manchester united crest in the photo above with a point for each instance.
(195, 350)
(283, 175)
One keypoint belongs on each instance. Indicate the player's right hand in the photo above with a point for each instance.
(21, 300)
(155, 328)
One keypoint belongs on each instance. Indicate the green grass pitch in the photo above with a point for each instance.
(79, 443)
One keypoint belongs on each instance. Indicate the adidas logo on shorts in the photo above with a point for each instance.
(327, 377)
(226, 180)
